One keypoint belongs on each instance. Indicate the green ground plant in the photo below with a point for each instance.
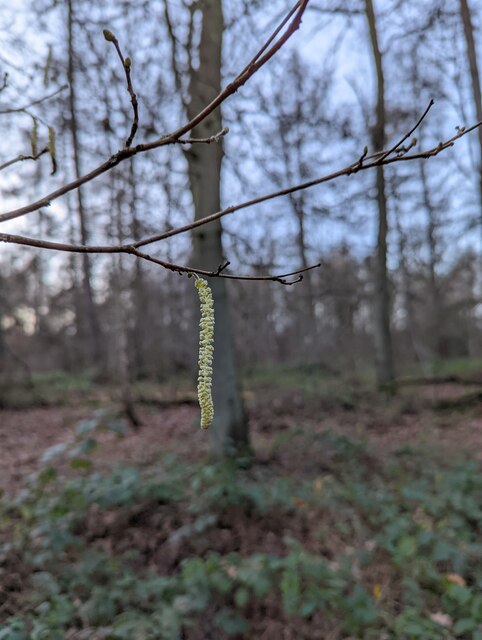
(374, 548)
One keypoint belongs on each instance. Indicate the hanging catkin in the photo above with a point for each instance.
(206, 339)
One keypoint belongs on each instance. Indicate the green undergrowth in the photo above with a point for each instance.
(60, 382)
(50, 388)
(305, 376)
(463, 367)
(371, 547)
(56, 388)
(313, 382)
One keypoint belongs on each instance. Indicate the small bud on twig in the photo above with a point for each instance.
(108, 35)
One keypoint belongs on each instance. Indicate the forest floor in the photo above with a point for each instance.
(276, 411)
(359, 517)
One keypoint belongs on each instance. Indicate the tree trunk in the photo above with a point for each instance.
(436, 306)
(90, 309)
(418, 347)
(383, 337)
(310, 343)
(230, 427)
(120, 321)
(137, 285)
(3, 363)
(465, 14)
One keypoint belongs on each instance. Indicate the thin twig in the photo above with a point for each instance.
(126, 65)
(131, 250)
(214, 138)
(173, 137)
(34, 103)
(174, 46)
(4, 82)
(374, 160)
(274, 35)
(409, 133)
(21, 158)
(359, 165)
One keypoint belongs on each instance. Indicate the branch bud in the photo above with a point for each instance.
(108, 35)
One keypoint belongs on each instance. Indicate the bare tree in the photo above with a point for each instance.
(202, 135)
(89, 304)
(466, 16)
(230, 427)
(383, 337)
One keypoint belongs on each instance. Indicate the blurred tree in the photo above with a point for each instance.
(230, 427)
(89, 307)
(383, 336)
(466, 16)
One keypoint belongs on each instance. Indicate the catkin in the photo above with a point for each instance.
(206, 339)
(34, 137)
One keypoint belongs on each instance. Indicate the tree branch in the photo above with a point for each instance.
(131, 250)
(364, 162)
(22, 157)
(259, 60)
(34, 103)
(126, 65)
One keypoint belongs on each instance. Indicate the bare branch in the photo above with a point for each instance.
(126, 65)
(4, 82)
(217, 137)
(28, 106)
(409, 133)
(363, 163)
(21, 158)
(256, 63)
(130, 249)
(174, 46)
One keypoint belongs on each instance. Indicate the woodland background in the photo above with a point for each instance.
(311, 110)
(338, 493)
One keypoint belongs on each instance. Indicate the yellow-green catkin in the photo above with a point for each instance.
(206, 339)
(34, 136)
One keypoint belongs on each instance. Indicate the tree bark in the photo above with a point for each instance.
(137, 284)
(230, 427)
(90, 309)
(383, 337)
(310, 348)
(418, 347)
(466, 16)
(436, 305)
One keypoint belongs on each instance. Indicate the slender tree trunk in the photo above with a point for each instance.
(419, 349)
(383, 337)
(121, 316)
(465, 14)
(3, 363)
(435, 310)
(307, 290)
(292, 153)
(230, 427)
(90, 309)
(137, 283)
